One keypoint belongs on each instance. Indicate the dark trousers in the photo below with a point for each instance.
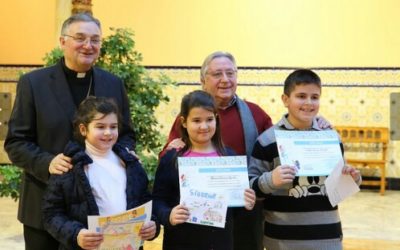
(248, 229)
(37, 239)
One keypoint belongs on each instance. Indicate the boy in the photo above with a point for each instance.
(293, 219)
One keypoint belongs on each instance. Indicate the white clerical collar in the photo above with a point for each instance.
(81, 75)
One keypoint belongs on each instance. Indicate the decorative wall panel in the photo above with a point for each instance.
(350, 96)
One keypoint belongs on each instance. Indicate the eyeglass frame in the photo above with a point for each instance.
(84, 39)
(230, 74)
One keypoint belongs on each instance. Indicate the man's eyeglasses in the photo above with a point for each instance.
(83, 39)
(220, 74)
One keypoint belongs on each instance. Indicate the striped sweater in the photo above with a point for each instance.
(297, 215)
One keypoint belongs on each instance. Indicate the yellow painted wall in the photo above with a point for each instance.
(258, 32)
(261, 32)
(27, 30)
(305, 33)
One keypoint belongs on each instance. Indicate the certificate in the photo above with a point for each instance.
(226, 175)
(314, 153)
(340, 186)
(206, 208)
(121, 231)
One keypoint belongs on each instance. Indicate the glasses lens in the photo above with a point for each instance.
(84, 39)
(220, 74)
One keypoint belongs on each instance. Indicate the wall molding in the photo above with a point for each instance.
(244, 67)
(337, 77)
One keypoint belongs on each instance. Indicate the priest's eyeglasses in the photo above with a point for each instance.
(83, 39)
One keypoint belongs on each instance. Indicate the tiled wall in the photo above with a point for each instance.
(356, 97)
(350, 97)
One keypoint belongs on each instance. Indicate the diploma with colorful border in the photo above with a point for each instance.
(121, 231)
(226, 175)
(314, 153)
(206, 208)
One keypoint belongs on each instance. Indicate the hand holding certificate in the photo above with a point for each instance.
(121, 231)
(208, 185)
(339, 186)
(317, 153)
(313, 153)
(225, 174)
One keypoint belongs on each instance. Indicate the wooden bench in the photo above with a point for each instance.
(365, 148)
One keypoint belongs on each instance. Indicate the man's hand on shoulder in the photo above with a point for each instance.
(176, 144)
(60, 164)
(323, 123)
(133, 153)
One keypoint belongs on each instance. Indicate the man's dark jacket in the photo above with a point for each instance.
(41, 125)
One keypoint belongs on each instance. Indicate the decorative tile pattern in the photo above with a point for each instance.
(358, 97)
(350, 96)
(395, 116)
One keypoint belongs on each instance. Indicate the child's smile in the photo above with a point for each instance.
(200, 125)
(102, 131)
(303, 105)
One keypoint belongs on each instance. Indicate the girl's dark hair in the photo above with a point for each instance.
(200, 99)
(88, 109)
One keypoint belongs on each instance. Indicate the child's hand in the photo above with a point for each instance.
(249, 198)
(179, 215)
(148, 230)
(89, 240)
(355, 173)
(283, 175)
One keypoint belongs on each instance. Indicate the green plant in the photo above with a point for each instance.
(10, 181)
(53, 56)
(118, 56)
(145, 93)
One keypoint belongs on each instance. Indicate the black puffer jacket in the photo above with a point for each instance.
(69, 200)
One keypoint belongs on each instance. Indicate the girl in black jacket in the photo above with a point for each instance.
(200, 132)
(105, 179)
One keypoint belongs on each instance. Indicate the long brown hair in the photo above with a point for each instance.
(200, 99)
